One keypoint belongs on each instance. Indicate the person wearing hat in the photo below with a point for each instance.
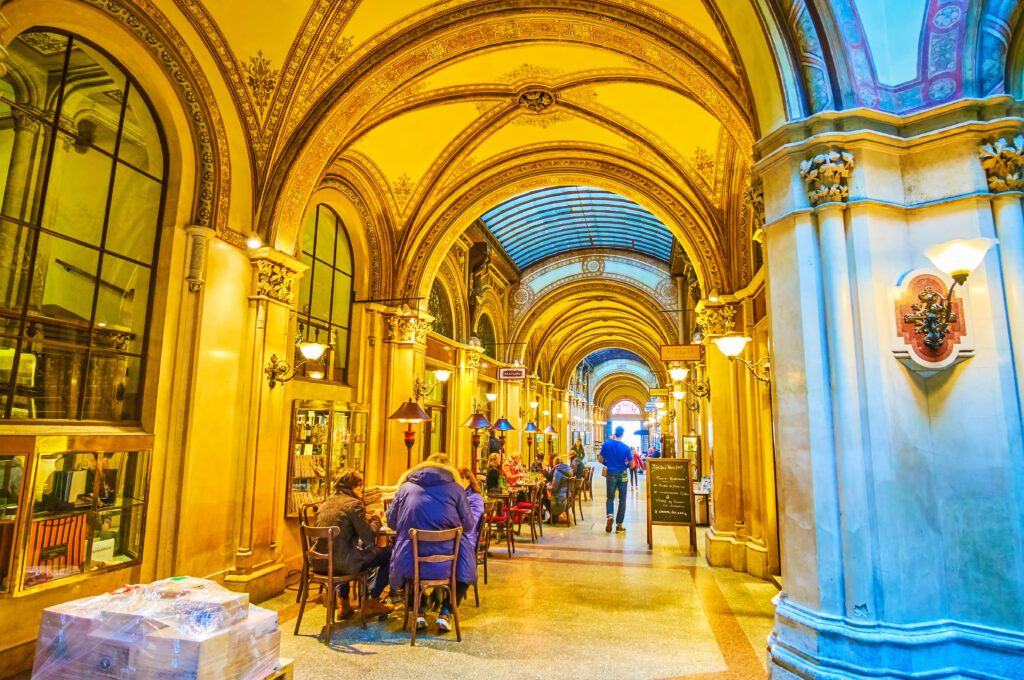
(345, 510)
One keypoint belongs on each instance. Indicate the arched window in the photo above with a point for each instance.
(485, 334)
(625, 408)
(441, 310)
(325, 294)
(82, 168)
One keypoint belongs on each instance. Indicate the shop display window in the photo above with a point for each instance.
(325, 439)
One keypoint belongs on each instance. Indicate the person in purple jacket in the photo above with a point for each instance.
(430, 497)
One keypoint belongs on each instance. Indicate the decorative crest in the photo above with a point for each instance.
(536, 100)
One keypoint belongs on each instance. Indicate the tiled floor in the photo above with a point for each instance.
(579, 603)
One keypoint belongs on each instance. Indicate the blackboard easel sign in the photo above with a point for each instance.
(670, 496)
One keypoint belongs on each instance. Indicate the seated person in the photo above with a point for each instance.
(576, 464)
(513, 469)
(345, 510)
(494, 472)
(430, 497)
(559, 490)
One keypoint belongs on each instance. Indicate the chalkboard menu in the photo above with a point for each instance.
(670, 495)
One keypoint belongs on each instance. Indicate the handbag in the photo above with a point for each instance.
(604, 472)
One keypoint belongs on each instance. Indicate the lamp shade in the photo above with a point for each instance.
(678, 374)
(959, 258)
(731, 345)
(679, 394)
(530, 427)
(442, 375)
(503, 425)
(533, 404)
(312, 350)
(550, 430)
(491, 396)
(409, 412)
(477, 421)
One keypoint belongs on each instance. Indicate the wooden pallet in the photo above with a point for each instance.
(283, 671)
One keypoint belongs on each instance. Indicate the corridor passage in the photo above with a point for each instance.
(580, 603)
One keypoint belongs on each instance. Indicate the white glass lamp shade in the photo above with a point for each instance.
(731, 345)
(253, 242)
(679, 394)
(560, 415)
(491, 396)
(442, 375)
(959, 258)
(678, 374)
(312, 350)
(547, 413)
(533, 404)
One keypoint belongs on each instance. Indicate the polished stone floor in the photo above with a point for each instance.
(579, 603)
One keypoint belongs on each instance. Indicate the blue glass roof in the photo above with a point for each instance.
(602, 355)
(539, 224)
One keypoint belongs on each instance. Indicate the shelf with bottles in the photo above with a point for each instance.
(327, 436)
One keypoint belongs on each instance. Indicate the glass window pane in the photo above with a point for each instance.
(39, 57)
(309, 233)
(305, 284)
(320, 307)
(15, 254)
(56, 376)
(340, 352)
(112, 391)
(125, 473)
(24, 145)
(8, 350)
(344, 257)
(58, 535)
(12, 474)
(94, 93)
(121, 304)
(325, 236)
(140, 138)
(342, 300)
(76, 197)
(118, 536)
(63, 280)
(134, 211)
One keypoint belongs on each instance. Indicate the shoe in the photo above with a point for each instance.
(619, 529)
(443, 625)
(342, 610)
(374, 607)
(608, 525)
(421, 622)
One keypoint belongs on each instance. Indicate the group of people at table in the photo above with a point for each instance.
(432, 496)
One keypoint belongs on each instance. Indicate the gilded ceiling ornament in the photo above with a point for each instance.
(406, 329)
(717, 320)
(274, 281)
(536, 100)
(1002, 161)
(338, 52)
(261, 80)
(46, 44)
(826, 176)
(403, 190)
(704, 162)
(473, 358)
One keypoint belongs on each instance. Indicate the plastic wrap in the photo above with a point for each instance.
(178, 629)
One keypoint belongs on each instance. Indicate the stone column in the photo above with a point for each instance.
(1002, 161)
(826, 176)
(18, 199)
(275, 278)
(405, 338)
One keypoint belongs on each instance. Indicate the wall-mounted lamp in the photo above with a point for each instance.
(409, 413)
(933, 314)
(547, 413)
(277, 369)
(491, 396)
(678, 394)
(732, 345)
(253, 242)
(560, 415)
(422, 388)
(678, 373)
(533, 404)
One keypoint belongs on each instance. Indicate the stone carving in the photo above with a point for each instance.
(261, 80)
(920, 340)
(46, 44)
(536, 100)
(717, 320)
(275, 281)
(406, 329)
(473, 359)
(198, 238)
(481, 281)
(1002, 161)
(826, 176)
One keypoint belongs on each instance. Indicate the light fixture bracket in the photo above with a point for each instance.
(760, 369)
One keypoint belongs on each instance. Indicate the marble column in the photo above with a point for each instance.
(405, 338)
(1009, 222)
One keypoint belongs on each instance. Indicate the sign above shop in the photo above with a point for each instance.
(514, 373)
(681, 352)
(659, 392)
(651, 406)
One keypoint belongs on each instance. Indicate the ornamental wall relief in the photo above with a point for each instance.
(912, 299)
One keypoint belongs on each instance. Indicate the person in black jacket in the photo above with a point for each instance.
(494, 472)
(345, 510)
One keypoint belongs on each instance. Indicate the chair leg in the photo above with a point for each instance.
(302, 607)
(405, 620)
(330, 612)
(455, 613)
(476, 593)
(363, 582)
(485, 568)
(412, 637)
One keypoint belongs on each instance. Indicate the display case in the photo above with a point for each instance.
(70, 506)
(326, 437)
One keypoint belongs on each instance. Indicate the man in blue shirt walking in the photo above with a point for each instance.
(616, 457)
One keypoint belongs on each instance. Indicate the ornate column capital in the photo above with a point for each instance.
(275, 275)
(473, 357)
(827, 175)
(198, 238)
(406, 329)
(717, 320)
(1002, 161)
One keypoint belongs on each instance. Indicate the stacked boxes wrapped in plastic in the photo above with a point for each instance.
(178, 629)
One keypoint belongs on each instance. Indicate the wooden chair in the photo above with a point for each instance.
(530, 512)
(580, 493)
(309, 537)
(501, 519)
(483, 544)
(590, 483)
(414, 594)
(307, 512)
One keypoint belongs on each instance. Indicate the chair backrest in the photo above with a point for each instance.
(308, 513)
(424, 536)
(310, 537)
(483, 527)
